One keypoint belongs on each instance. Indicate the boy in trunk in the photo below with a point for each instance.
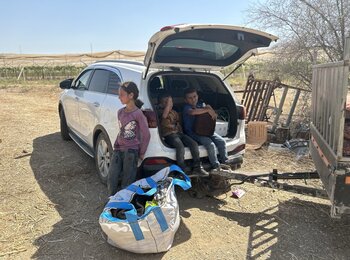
(171, 130)
(190, 110)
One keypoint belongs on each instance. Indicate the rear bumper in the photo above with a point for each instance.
(148, 169)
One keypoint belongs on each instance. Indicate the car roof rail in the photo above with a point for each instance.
(122, 61)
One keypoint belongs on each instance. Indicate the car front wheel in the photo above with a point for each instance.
(103, 155)
(64, 127)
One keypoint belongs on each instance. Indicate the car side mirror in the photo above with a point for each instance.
(66, 84)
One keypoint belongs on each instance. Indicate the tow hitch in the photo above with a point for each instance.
(220, 181)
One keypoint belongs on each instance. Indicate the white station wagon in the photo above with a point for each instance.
(178, 57)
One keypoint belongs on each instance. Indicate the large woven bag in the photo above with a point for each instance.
(144, 217)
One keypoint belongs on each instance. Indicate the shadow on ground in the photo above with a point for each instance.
(67, 176)
(294, 229)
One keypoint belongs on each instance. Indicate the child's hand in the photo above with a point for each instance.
(168, 107)
(213, 114)
(169, 102)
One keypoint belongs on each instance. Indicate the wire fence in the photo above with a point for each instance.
(55, 67)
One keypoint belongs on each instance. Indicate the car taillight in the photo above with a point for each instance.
(165, 28)
(155, 161)
(151, 118)
(241, 112)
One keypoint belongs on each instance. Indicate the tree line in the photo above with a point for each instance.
(39, 72)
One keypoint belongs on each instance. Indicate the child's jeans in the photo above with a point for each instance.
(211, 144)
(123, 167)
(179, 141)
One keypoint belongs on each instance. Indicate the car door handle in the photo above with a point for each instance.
(96, 104)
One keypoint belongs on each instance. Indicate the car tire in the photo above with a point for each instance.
(64, 127)
(103, 156)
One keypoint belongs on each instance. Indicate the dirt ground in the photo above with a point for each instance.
(51, 199)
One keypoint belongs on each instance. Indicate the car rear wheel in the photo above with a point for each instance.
(64, 127)
(103, 155)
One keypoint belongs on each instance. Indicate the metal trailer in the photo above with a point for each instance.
(329, 91)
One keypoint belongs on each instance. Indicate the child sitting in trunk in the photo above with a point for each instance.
(190, 110)
(171, 130)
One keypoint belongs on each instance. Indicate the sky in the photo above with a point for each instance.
(84, 26)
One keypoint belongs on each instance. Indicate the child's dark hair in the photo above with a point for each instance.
(162, 95)
(189, 90)
(131, 87)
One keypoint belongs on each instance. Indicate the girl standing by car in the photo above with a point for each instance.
(132, 140)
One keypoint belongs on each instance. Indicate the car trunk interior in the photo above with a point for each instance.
(211, 91)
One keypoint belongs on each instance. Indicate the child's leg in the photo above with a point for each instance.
(129, 167)
(192, 144)
(175, 141)
(221, 145)
(114, 173)
(210, 146)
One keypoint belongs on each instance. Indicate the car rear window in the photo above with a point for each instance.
(208, 47)
(198, 49)
(113, 83)
(99, 81)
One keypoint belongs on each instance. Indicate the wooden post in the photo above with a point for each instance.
(347, 49)
(292, 109)
(279, 110)
(20, 73)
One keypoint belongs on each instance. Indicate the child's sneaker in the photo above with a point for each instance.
(199, 172)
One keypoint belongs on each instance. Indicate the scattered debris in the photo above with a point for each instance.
(277, 147)
(298, 146)
(237, 193)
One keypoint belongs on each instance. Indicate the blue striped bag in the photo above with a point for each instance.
(144, 217)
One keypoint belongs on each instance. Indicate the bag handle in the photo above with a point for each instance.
(120, 205)
(133, 220)
(152, 183)
(117, 205)
(134, 224)
(184, 184)
(138, 190)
